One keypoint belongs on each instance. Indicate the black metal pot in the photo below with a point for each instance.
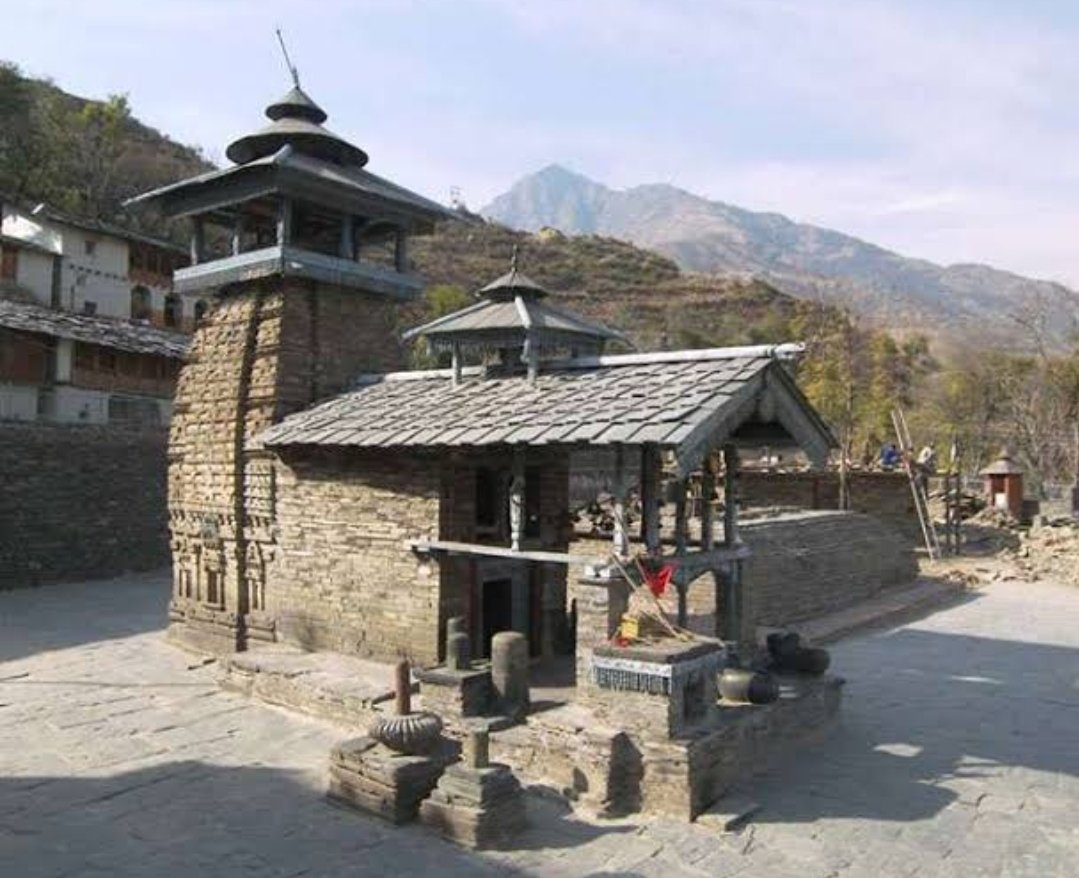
(748, 687)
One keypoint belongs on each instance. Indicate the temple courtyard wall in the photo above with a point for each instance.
(884, 495)
(80, 502)
(802, 565)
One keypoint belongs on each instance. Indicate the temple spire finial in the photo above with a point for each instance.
(513, 258)
(288, 61)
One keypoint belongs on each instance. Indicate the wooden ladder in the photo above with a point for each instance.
(917, 486)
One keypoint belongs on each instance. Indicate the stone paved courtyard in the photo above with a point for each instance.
(958, 755)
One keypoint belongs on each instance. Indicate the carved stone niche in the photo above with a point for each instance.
(212, 570)
(255, 574)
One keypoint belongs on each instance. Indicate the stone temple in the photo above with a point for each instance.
(323, 499)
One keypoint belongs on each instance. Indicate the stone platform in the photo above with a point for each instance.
(610, 771)
(327, 685)
(370, 777)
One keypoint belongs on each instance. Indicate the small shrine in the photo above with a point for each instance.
(323, 500)
(1004, 485)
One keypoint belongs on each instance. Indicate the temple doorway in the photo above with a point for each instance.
(496, 610)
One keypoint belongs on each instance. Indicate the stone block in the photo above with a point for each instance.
(456, 694)
(370, 777)
(476, 808)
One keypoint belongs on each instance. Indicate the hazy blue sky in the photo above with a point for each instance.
(947, 129)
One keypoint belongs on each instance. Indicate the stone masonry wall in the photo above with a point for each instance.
(810, 564)
(885, 496)
(802, 565)
(265, 350)
(345, 577)
(79, 502)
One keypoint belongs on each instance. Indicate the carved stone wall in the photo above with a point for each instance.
(265, 350)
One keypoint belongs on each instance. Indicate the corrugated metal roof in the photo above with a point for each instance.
(119, 334)
(597, 401)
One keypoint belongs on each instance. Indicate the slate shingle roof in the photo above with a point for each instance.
(119, 334)
(667, 399)
(488, 316)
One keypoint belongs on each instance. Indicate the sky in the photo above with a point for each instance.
(943, 129)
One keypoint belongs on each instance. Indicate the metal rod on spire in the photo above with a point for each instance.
(288, 61)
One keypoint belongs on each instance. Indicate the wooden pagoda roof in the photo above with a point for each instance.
(685, 401)
(291, 172)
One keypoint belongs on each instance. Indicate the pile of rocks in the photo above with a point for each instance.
(1049, 550)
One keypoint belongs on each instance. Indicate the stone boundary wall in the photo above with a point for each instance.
(80, 502)
(802, 565)
(808, 565)
(884, 495)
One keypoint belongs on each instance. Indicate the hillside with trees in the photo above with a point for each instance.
(86, 157)
(80, 156)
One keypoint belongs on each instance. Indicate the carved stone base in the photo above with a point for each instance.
(206, 630)
(476, 807)
(372, 778)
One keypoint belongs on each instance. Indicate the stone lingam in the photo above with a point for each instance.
(395, 766)
(405, 731)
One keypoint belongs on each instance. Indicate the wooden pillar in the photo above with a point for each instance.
(284, 222)
(650, 483)
(198, 240)
(238, 226)
(732, 581)
(730, 497)
(400, 252)
(531, 353)
(455, 362)
(517, 500)
(681, 517)
(621, 532)
(347, 246)
(708, 488)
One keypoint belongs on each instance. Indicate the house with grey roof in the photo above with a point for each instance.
(86, 266)
(64, 367)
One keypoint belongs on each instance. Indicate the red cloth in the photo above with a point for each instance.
(658, 580)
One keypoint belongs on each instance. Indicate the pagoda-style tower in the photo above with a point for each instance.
(512, 320)
(304, 254)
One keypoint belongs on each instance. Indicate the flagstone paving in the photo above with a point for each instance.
(958, 755)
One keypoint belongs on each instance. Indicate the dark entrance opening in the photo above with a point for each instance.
(497, 601)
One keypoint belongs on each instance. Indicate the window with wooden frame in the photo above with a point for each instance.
(141, 304)
(9, 263)
(173, 311)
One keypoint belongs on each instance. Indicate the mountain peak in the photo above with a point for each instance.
(810, 261)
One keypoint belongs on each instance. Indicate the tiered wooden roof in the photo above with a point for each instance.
(687, 402)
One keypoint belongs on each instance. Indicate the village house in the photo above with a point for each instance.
(90, 267)
(71, 368)
(91, 331)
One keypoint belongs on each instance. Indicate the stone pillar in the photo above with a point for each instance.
(476, 751)
(509, 672)
(600, 605)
